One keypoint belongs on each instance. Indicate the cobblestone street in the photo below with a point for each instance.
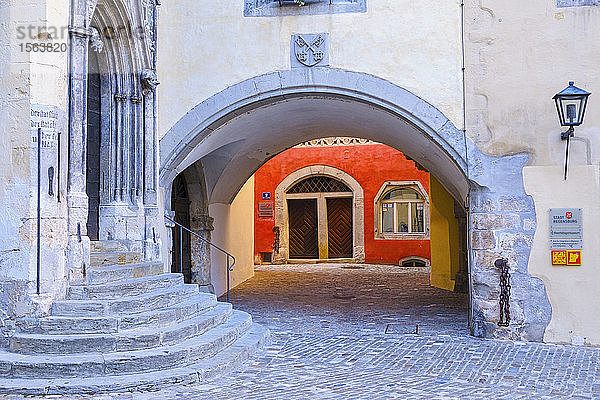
(376, 332)
(327, 299)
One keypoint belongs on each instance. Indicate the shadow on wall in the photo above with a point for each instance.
(444, 240)
(234, 231)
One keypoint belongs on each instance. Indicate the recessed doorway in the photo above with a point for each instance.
(303, 228)
(339, 227)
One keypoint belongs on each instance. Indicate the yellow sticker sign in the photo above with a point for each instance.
(566, 257)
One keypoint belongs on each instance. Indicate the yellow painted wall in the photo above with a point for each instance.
(444, 236)
(234, 232)
(572, 291)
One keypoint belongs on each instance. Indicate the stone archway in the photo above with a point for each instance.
(181, 253)
(237, 130)
(417, 124)
(199, 222)
(281, 208)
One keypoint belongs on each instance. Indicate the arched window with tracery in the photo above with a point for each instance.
(319, 184)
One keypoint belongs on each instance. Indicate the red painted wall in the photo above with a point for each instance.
(371, 165)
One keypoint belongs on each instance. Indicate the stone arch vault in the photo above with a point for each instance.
(236, 130)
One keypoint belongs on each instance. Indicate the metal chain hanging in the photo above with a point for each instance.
(502, 264)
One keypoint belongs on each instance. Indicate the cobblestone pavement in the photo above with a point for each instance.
(345, 333)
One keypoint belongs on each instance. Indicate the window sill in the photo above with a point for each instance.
(402, 236)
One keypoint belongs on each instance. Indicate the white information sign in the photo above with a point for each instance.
(566, 228)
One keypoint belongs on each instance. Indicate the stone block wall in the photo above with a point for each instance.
(502, 225)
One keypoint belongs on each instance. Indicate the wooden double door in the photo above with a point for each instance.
(334, 228)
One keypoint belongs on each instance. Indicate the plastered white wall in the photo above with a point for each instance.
(30, 80)
(573, 291)
(413, 44)
(518, 55)
(234, 232)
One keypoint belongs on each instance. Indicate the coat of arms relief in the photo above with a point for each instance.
(310, 49)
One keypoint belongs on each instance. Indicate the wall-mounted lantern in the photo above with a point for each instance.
(570, 105)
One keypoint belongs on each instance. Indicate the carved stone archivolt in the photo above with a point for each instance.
(96, 43)
(149, 21)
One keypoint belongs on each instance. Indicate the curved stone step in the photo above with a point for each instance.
(99, 275)
(59, 325)
(99, 246)
(187, 352)
(168, 315)
(105, 258)
(127, 287)
(184, 353)
(230, 358)
(121, 341)
(124, 305)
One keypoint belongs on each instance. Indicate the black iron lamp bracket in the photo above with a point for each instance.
(568, 133)
(566, 136)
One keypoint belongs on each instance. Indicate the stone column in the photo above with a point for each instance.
(149, 159)
(78, 246)
(150, 142)
(120, 99)
(202, 225)
(138, 140)
(322, 238)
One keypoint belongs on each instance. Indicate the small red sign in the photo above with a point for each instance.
(566, 257)
(574, 257)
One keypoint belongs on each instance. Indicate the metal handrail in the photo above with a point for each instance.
(229, 255)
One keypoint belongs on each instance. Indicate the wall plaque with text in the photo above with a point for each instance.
(566, 228)
(265, 209)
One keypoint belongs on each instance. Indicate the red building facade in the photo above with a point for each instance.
(367, 175)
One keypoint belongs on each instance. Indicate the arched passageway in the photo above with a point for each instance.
(234, 132)
(180, 204)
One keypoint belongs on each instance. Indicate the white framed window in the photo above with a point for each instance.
(402, 211)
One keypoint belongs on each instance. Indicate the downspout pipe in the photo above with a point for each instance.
(464, 129)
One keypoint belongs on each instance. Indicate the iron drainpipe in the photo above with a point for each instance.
(39, 208)
(468, 199)
(58, 169)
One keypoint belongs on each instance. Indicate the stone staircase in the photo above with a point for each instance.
(131, 327)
